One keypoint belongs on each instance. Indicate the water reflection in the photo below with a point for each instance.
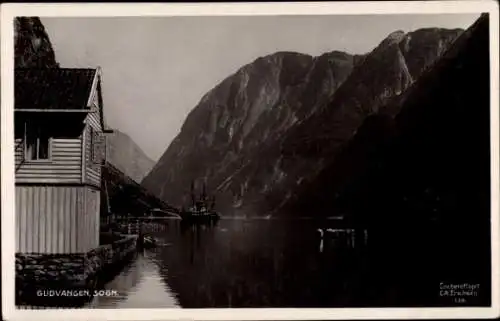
(139, 285)
(273, 263)
(238, 263)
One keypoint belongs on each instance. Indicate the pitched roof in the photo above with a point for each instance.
(52, 88)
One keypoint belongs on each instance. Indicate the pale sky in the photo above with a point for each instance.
(156, 69)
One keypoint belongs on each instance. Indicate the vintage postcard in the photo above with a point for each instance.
(241, 161)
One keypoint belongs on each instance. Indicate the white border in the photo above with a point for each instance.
(9, 11)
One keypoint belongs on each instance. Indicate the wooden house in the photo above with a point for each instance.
(59, 151)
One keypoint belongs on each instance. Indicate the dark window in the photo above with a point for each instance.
(37, 140)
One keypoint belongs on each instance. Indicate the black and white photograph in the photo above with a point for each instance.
(220, 158)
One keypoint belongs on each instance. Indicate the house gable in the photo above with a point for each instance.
(93, 139)
(96, 116)
(51, 106)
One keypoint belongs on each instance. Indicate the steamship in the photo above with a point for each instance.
(202, 209)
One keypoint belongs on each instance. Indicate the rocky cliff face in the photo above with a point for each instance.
(417, 176)
(33, 48)
(423, 122)
(387, 72)
(127, 156)
(268, 130)
(256, 105)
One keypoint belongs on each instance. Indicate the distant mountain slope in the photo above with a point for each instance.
(127, 156)
(124, 196)
(32, 46)
(278, 121)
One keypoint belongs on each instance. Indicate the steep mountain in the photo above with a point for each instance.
(33, 48)
(307, 148)
(387, 72)
(417, 176)
(277, 122)
(372, 144)
(127, 156)
(257, 104)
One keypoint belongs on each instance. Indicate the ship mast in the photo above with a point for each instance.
(212, 206)
(204, 193)
(193, 197)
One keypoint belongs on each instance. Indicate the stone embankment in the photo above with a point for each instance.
(71, 272)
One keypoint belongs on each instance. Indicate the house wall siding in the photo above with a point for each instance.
(64, 166)
(46, 218)
(58, 200)
(89, 235)
(92, 169)
(93, 120)
(94, 117)
(56, 219)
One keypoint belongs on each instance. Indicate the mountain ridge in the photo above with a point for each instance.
(253, 146)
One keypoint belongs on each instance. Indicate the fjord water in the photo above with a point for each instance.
(237, 263)
(268, 263)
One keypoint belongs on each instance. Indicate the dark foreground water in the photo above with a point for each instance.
(270, 263)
